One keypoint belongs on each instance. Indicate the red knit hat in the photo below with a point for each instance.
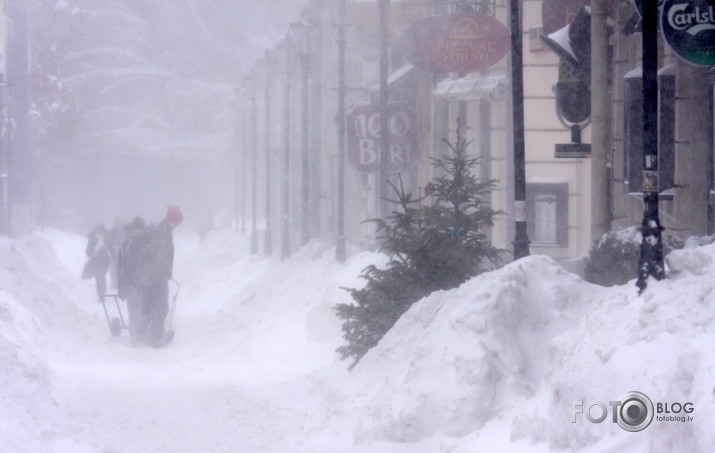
(173, 215)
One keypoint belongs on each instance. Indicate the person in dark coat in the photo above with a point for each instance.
(113, 241)
(155, 262)
(98, 259)
(127, 284)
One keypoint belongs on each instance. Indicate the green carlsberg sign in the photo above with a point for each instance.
(688, 27)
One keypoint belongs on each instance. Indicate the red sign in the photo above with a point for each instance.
(456, 42)
(363, 137)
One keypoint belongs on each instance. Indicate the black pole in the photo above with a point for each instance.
(521, 239)
(384, 139)
(5, 163)
(285, 248)
(340, 251)
(244, 159)
(305, 159)
(254, 151)
(651, 256)
(268, 241)
(236, 165)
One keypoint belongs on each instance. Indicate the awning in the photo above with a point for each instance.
(472, 88)
(396, 76)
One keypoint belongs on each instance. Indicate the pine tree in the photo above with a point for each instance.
(430, 248)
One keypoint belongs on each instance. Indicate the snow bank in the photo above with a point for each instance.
(494, 365)
(517, 347)
(659, 343)
(24, 375)
(458, 358)
(41, 271)
(38, 293)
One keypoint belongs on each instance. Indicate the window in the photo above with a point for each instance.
(547, 211)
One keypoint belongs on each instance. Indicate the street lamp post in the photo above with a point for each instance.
(254, 152)
(244, 158)
(285, 224)
(384, 6)
(340, 251)
(269, 67)
(5, 163)
(521, 239)
(301, 32)
(651, 253)
(238, 180)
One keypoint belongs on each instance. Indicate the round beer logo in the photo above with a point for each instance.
(689, 29)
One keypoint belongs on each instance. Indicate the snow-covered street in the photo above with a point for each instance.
(238, 374)
(494, 365)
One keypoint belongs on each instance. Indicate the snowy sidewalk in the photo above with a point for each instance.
(492, 366)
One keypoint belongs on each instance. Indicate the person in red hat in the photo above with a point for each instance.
(156, 262)
(127, 277)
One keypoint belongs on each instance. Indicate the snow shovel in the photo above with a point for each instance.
(116, 324)
(168, 336)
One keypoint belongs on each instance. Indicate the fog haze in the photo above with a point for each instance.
(141, 94)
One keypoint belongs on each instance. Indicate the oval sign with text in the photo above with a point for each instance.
(689, 29)
(456, 43)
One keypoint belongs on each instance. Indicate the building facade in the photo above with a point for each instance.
(477, 106)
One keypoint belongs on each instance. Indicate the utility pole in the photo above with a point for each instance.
(244, 159)
(236, 170)
(5, 159)
(600, 124)
(254, 182)
(382, 210)
(301, 32)
(651, 256)
(521, 238)
(269, 67)
(340, 251)
(285, 225)
(305, 161)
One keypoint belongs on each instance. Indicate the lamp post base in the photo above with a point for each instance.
(651, 257)
(521, 241)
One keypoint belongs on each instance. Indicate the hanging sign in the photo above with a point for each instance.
(363, 137)
(689, 29)
(456, 43)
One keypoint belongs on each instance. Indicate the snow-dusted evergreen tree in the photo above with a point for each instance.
(433, 247)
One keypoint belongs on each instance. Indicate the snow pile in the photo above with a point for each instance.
(33, 300)
(659, 343)
(494, 365)
(512, 350)
(24, 375)
(41, 271)
(458, 358)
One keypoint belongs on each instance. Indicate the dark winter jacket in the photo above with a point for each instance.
(98, 255)
(114, 239)
(151, 255)
(126, 272)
